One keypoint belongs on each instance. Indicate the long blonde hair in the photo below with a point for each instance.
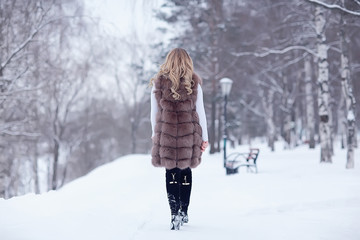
(178, 64)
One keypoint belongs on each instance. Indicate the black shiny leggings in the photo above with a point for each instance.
(178, 187)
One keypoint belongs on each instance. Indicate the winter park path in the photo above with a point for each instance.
(292, 197)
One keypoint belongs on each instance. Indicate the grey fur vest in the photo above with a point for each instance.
(178, 134)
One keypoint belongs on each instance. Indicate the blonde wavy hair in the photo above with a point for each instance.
(178, 64)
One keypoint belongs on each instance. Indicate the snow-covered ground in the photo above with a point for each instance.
(292, 197)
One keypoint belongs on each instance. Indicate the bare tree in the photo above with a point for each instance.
(268, 108)
(46, 61)
(323, 86)
(349, 100)
(133, 90)
(310, 118)
(270, 59)
(19, 25)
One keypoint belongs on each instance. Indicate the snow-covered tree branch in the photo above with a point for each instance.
(335, 6)
(267, 52)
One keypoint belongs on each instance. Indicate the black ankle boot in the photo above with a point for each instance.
(183, 217)
(175, 222)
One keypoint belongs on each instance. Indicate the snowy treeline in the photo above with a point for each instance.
(295, 66)
(58, 119)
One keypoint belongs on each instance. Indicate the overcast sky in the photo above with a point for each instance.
(124, 17)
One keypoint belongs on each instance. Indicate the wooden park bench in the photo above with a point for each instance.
(236, 160)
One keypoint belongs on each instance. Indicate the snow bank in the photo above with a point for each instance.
(292, 197)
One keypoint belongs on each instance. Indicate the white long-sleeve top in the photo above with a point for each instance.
(199, 109)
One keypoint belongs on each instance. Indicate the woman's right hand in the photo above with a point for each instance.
(204, 145)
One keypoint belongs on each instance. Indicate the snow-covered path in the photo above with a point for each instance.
(292, 197)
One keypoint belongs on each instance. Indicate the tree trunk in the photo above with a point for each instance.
(55, 165)
(289, 127)
(4, 169)
(35, 168)
(212, 126)
(216, 7)
(3, 176)
(133, 135)
(355, 136)
(323, 87)
(219, 135)
(341, 120)
(269, 113)
(351, 136)
(310, 119)
(287, 130)
(347, 95)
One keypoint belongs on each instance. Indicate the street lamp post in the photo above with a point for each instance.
(225, 90)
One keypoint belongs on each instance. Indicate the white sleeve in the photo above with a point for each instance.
(201, 112)
(154, 110)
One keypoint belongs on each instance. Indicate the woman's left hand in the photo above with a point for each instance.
(204, 145)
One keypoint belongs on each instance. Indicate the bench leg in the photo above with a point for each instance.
(249, 168)
(231, 170)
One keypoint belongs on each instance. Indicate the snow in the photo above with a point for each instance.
(351, 116)
(292, 197)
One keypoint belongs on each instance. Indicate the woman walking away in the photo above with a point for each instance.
(179, 131)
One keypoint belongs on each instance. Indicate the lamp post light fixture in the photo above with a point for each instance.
(225, 90)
